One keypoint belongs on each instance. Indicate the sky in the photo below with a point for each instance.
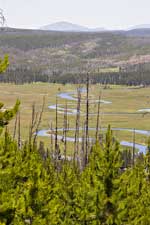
(111, 14)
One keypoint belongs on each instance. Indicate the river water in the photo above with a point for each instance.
(70, 111)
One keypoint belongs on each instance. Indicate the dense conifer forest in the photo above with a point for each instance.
(115, 57)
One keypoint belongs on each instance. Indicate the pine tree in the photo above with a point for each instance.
(99, 184)
(7, 159)
(7, 183)
(132, 188)
(67, 185)
(4, 64)
(6, 115)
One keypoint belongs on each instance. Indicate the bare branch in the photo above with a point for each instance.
(2, 19)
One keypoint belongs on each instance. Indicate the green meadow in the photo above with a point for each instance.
(121, 113)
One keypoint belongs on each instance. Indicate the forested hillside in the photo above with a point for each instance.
(63, 55)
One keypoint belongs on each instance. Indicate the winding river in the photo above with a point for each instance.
(71, 111)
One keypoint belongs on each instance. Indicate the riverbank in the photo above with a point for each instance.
(122, 113)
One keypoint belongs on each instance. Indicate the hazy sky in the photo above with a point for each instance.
(92, 13)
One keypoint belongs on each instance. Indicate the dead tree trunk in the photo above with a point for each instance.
(82, 152)
(133, 156)
(31, 126)
(87, 120)
(15, 126)
(36, 119)
(56, 129)
(38, 122)
(65, 131)
(77, 129)
(57, 154)
(19, 131)
(51, 136)
(98, 116)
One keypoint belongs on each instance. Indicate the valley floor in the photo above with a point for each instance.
(122, 112)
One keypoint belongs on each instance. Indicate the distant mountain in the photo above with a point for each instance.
(141, 26)
(98, 29)
(142, 32)
(70, 27)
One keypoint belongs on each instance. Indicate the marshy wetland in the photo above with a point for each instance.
(124, 108)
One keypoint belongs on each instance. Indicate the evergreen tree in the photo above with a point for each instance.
(6, 115)
(100, 181)
(107, 167)
(4, 64)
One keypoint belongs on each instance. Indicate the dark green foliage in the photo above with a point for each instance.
(4, 64)
(6, 114)
(34, 191)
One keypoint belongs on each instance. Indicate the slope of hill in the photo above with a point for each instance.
(143, 32)
(140, 26)
(55, 52)
(70, 27)
(64, 26)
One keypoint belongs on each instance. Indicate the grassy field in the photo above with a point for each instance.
(109, 70)
(122, 113)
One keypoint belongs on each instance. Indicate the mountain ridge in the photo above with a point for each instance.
(67, 26)
(139, 26)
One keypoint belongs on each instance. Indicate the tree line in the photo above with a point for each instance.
(24, 74)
